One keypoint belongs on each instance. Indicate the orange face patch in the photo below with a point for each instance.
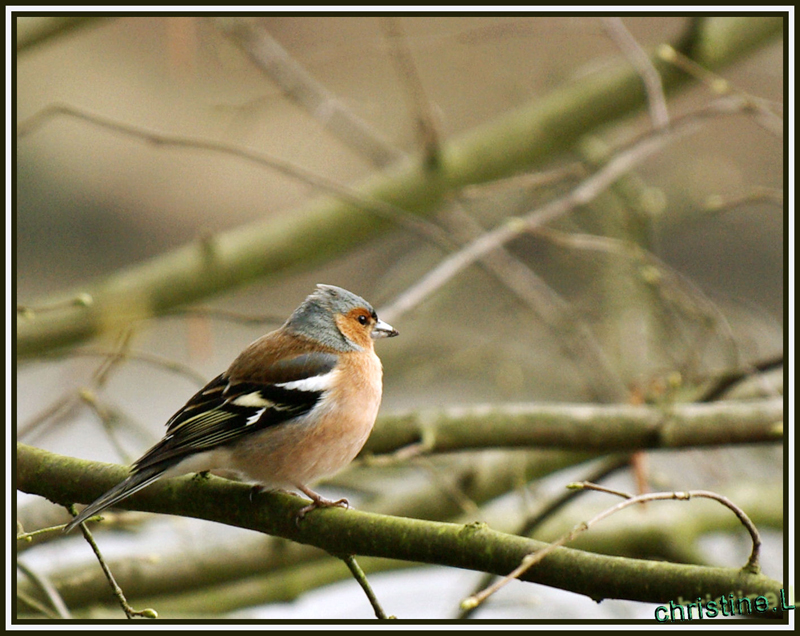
(356, 325)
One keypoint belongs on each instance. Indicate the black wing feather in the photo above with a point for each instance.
(212, 417)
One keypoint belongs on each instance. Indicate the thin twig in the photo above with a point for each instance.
(607, 468)
(303, 88)
(752, 565)
(72, 398)
(418, 100)
(49, 590)
(660, 276)
(640, 60)
(132, 356)
(358, 575)
(56, 410)
(584, 193)
(409, 221)
(719, 85)
(116, 589)
(573, 334)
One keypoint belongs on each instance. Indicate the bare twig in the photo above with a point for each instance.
(57, 409)
(657, 273)
(358, 575)
(402, 217)
(300, 86)
(608, 467)
(656, 101)
(535, 557)
(531, 180)
(752, 564)
(584, 193)
(140, 356)
(719, 85)
(48, 589)
(118, 593)
(418, 100)
(573, 335)
(72, 398)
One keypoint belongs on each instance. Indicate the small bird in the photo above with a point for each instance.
(295, 406)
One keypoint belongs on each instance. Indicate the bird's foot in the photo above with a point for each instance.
(317, 501)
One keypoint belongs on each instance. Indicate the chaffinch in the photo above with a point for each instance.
(295, 406)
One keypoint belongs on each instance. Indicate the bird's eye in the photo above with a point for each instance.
(363, 319)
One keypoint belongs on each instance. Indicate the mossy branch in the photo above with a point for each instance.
(473, 546)
(589, 427)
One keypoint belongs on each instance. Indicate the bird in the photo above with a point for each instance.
(295, 406)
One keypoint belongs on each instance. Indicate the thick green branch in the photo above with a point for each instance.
(581, 426)
(473, 546)
(329, 227)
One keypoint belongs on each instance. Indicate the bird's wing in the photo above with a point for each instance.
(227, 408)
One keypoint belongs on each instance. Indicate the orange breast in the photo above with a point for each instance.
(321, 443)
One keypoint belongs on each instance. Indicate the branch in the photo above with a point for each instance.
(533, 559)
(327, 227)
(581, 426)
(481, 478)
(33, 32)
(301, 87)
(584, 193)
(260, 569)
(472, 546)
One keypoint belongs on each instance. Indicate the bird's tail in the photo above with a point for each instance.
(133, 483)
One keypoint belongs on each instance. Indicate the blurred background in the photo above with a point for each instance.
(91, 201)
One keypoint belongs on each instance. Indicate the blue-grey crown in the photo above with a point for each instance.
(315, 317)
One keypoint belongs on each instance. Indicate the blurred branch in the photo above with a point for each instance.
(33, 31)
(329, 227)
(300, 86)
(145, 357)
(656, 100)
(581, 426)
(718, 85)
(472, 546)
(360, 201)
(584, 193)
(419, 104)
(49, 591)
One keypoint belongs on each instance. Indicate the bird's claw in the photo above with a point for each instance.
(319, 502)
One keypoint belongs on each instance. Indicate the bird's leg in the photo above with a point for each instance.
(318, 501)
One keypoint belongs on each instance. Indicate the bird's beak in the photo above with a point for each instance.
(383, 330)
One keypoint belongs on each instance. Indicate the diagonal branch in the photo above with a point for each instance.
(325, 228)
